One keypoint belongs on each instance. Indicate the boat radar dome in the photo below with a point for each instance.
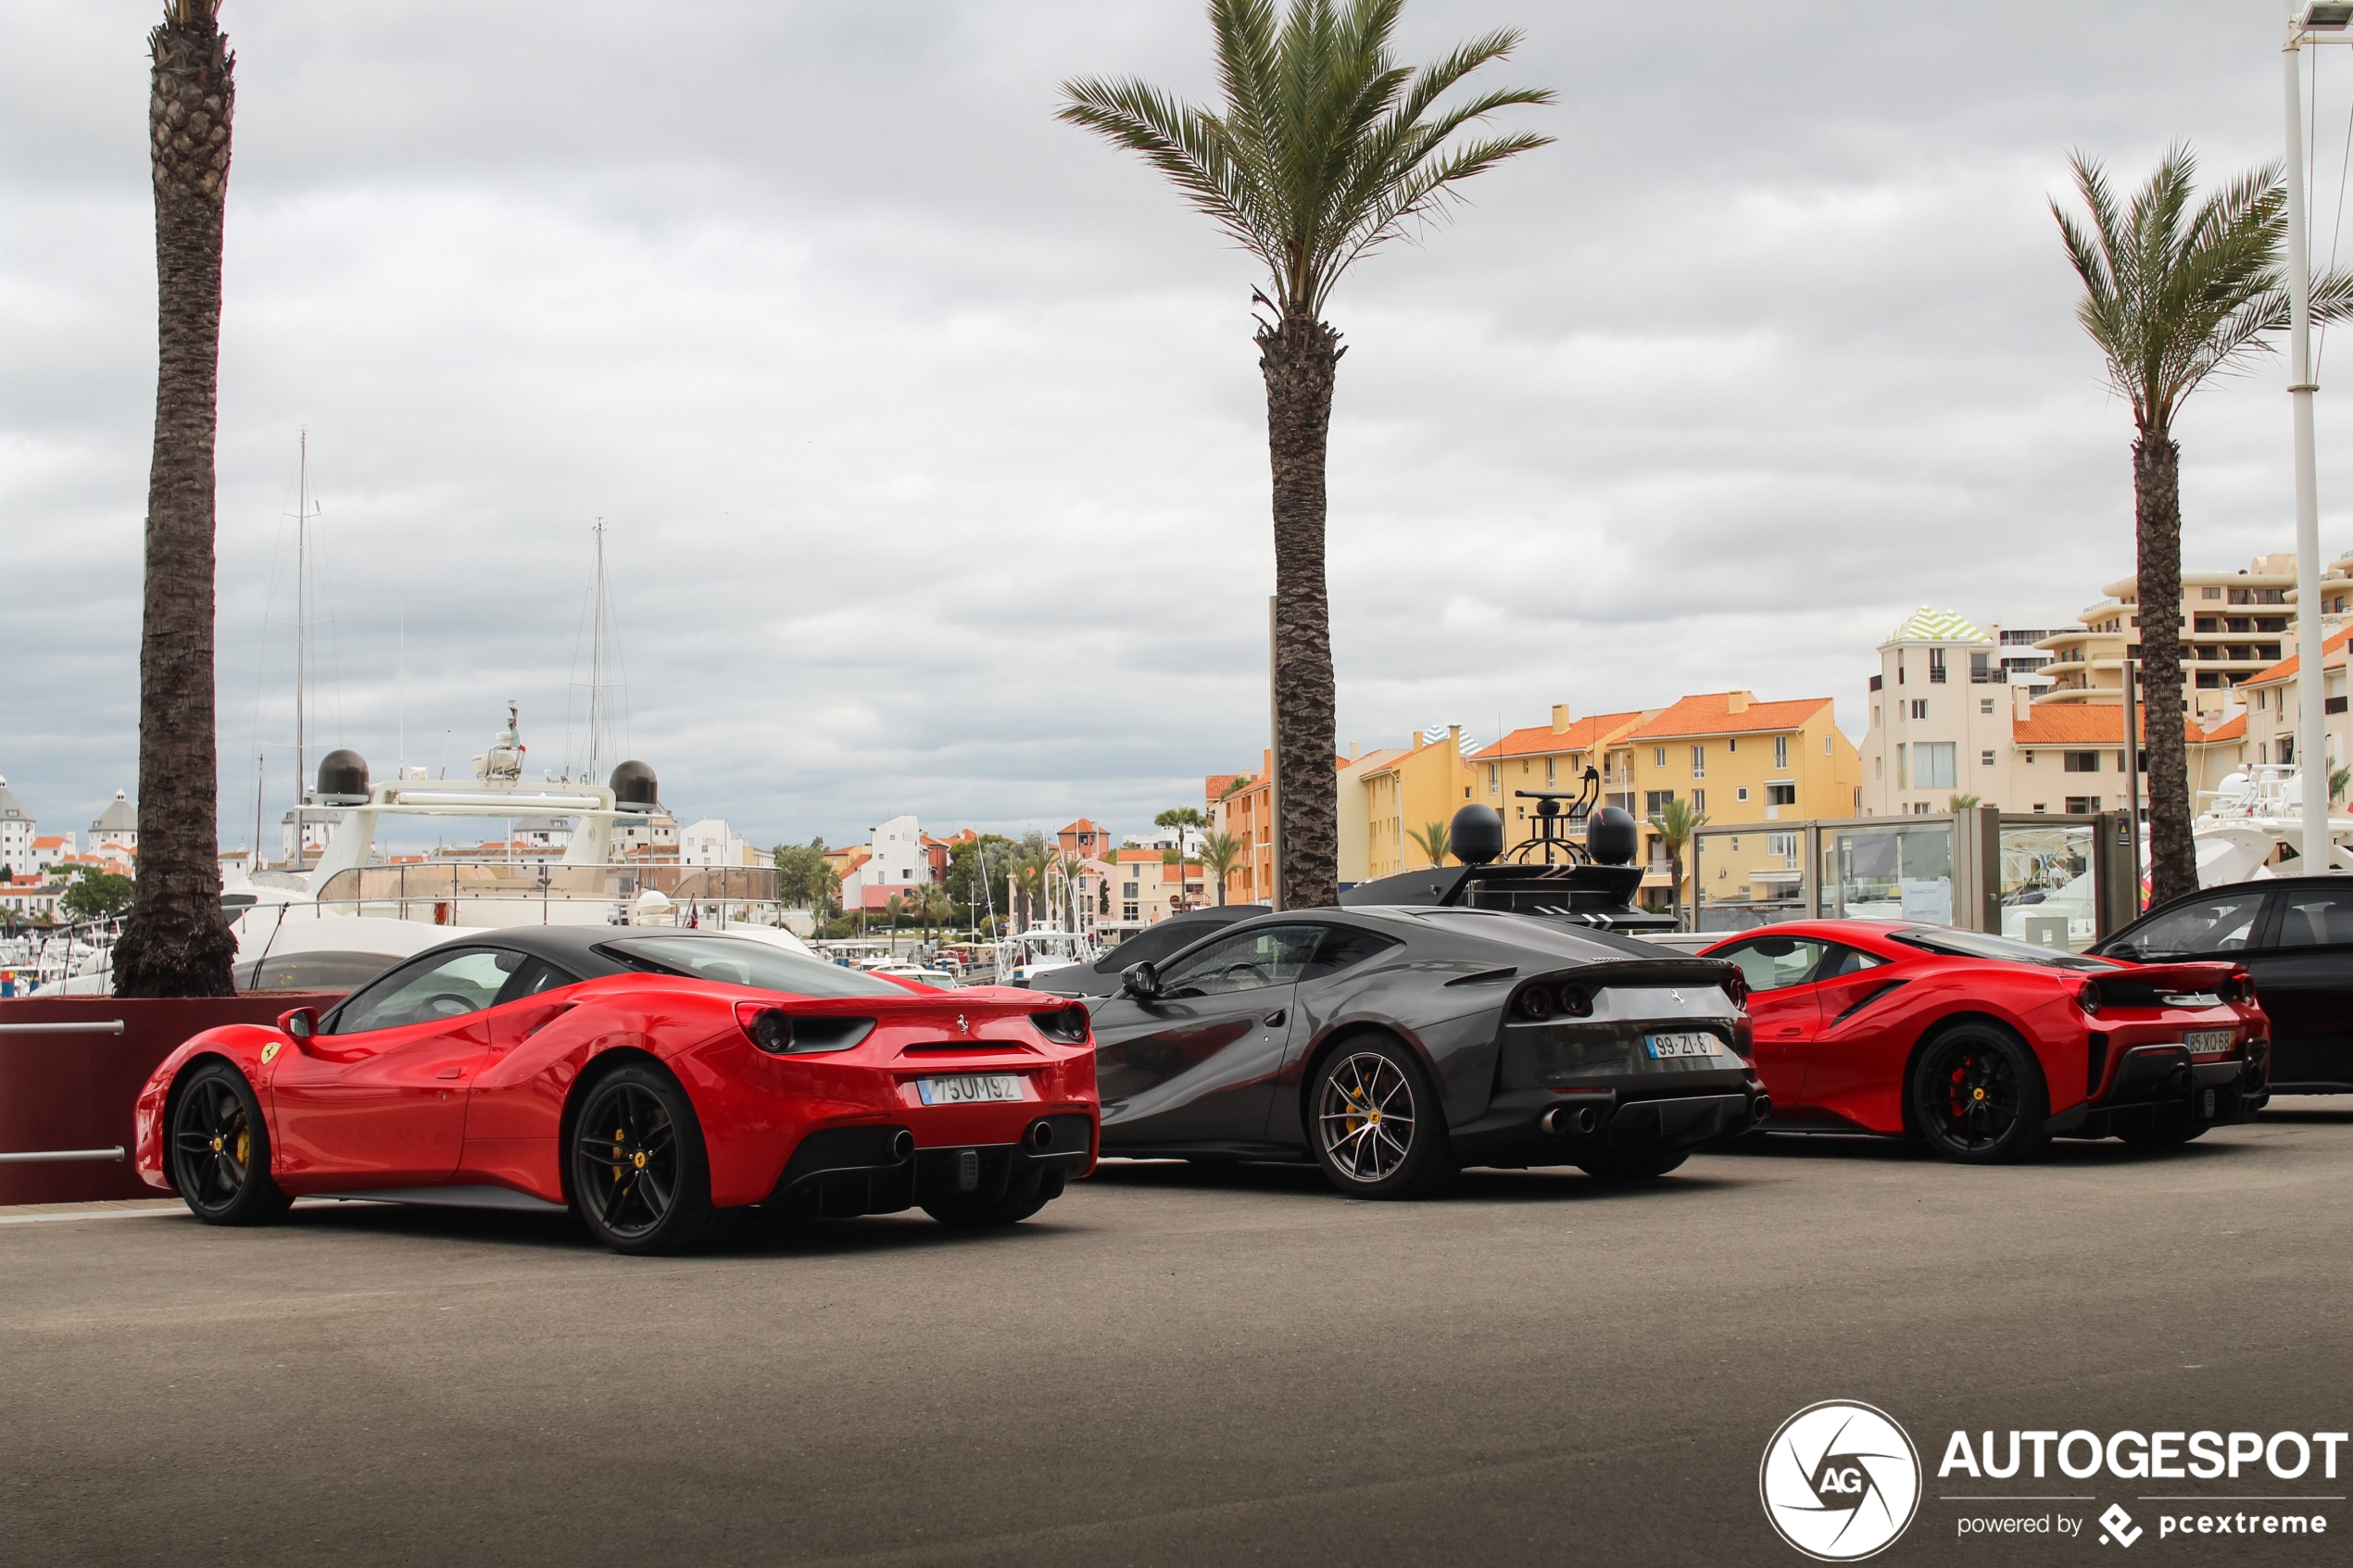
(1612, 837)
(1476, 835)
(635, 788)
(342, 779)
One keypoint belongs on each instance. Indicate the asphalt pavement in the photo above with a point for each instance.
(1179, 1366)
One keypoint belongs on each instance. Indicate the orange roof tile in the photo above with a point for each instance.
(1582, 734)
(1710, 713)
(2086, 724)
(2235, 729)
(2286, 667)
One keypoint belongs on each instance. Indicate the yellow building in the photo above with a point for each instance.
(1555, 756)
(1391, 797)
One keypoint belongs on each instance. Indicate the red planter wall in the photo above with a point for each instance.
(75, 1091)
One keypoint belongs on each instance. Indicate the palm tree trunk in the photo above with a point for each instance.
(175, 942)
(2156, 525)
(1299, 357)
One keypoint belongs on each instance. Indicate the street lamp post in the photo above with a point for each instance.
(2311, 687)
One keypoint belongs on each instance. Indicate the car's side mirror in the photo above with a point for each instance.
(1140, 981)
(299, 1024)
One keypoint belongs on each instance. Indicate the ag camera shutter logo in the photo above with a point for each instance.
(1840, 1481)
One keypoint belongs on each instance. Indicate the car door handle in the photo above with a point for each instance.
(450, 1073)
(1788, 1032)
(1274, 1019)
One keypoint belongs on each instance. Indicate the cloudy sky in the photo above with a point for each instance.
(929, 430)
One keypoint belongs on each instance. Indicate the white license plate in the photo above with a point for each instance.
(1665, 1046)
(972, 1089)
(2209, 1039)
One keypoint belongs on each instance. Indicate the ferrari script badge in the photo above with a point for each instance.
(269, 1053)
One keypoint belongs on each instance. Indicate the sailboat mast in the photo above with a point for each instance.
(302, 633)
(596, 668)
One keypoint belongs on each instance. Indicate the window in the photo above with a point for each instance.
(2083, 804)
(1936, 666)
(1985, 759)
(1780, 751)
(1127, 890)
(1265, 955)
(1494, 778)
(1658, 759)
(1775, 963)
(1826, 747)
(1548, 770)
(2080, 762)
(2316, 918)
(1780, 795)
(1345, 946)
(1699, 761)
(1127, 911)
(1920, 807)
(1932, 765)
(732, 960)
(2222, 923)
(1699, 800)
(448, 985)
(1875, 716)
(2209, 593)
(1654, 801)
(1741, 794)
(2120, 761)
(1986, 705)
(1732, 742)
(1920, 708)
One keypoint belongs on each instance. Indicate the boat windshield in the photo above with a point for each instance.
(733, 960)
(1955, 944)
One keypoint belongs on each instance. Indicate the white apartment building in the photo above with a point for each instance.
(17, 830)
(711, 842)
(1945, 721)
(117, 825)
(897, 860)
(2275, 698)
(2234, 624)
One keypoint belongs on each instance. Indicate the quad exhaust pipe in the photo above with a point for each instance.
(1571, 1121)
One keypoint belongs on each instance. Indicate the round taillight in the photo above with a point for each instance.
(1577, 1001)
(771, 1031)
(1533, 1004)
(1735, 986)
(2087, 996)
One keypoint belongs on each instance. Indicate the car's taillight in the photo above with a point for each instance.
(1735, 986)
(2087, 996)
(2237, 988)
(1537, 1003)
(1066, 1025)
(782, 1034)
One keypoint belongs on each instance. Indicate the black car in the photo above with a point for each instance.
(2294, 934)
(1395, 1044)
(1163, 940)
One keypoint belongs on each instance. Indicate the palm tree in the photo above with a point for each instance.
(1220, 853)
(2175, 290)
(1675, 822)
(1324, 149)
(175, 943)
(2338, 781)
(932, 906)
(1963, 803)
(1178, 818)
(1432, 841)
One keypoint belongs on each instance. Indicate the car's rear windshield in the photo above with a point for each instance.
(734, 961)
(1985, 945)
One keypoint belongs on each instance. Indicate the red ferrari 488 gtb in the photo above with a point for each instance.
(654, 1082)
(1986, 1048)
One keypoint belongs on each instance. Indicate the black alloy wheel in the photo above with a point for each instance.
(1978, 1097)
(1025, 1193)
(639, 1178)
(221, 1151)
(1374, 1122)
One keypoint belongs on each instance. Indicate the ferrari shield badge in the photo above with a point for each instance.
(269, 1052)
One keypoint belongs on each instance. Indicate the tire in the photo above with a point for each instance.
(1359, 1094)
(640, 1180)
(1977, 1097)
(1025, 1193)
(220, 1151)
(1633, 1166)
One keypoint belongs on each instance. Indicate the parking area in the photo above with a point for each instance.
(1169, 1366)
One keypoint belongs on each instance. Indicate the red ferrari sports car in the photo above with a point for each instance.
(1987, 1048)
(654, 1082)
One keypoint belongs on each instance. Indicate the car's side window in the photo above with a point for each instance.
(2223, 923)
(449, 986)
(1845, 961)
(2316, 917)
(1345, 946)
(533, 976)
(1775, 963)
(1266, 954)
